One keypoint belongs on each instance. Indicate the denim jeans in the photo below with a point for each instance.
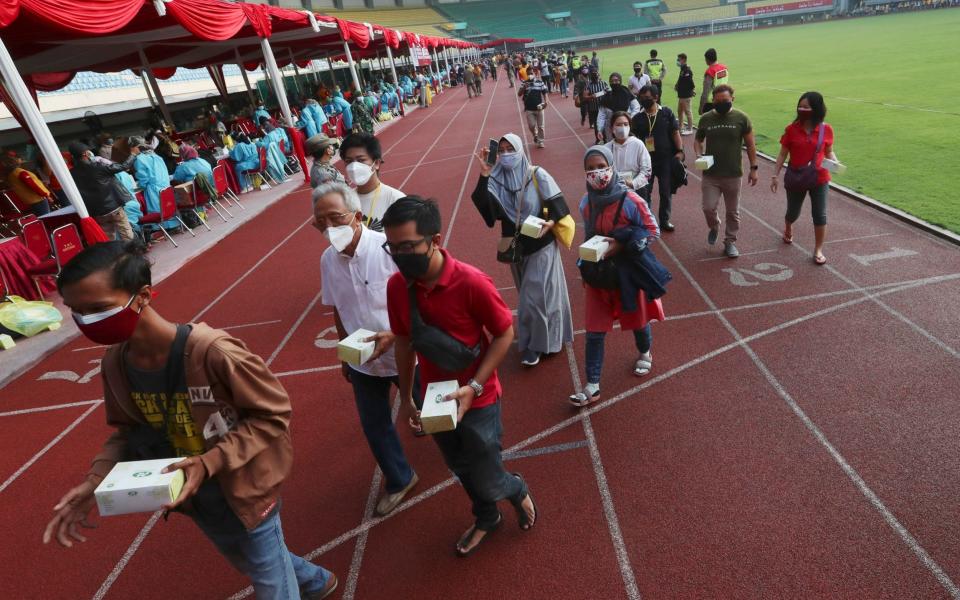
(472, 452)
(261, 554)
(373, 404)
(642, 337)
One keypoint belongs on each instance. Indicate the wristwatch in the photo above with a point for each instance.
(477, 387)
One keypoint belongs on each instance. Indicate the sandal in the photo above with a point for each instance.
(468, 536)
(820, 260)
(522, 518)
(643, 365)
(585, 397)
(787, 239)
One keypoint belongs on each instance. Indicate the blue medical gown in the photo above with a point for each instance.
(151, 173)
(189, 169)
(246, 157)
(275, 158)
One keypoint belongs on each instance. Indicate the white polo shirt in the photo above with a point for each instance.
(357, 287)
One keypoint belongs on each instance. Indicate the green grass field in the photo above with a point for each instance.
(889, 83)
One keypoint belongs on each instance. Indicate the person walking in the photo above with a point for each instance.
(462, 307)
(363, 157)
(658, 128)
(468, 77)
(595, 89)
(234, 447)
(619, 99)
(638, 79)
(807, 141)
(508, 67)
(562, 82)
(631, 160)
(354, 273)
(722, 133)
(478, 79)
(509, 192)
(534, 94)
(715, 75)
(686, 90)
(607, 206)
(579, 94)
(656, 69)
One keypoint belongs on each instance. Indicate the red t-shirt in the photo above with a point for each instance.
(462, 303)
(802, 145)
(714, 69)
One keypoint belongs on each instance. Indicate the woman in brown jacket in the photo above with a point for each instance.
(199, 397)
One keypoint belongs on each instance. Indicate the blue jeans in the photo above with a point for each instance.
(373, 404)
(261, 553)
(642, 337)
(472, 452)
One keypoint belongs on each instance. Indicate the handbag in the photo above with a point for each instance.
(602, 274)
(802, 179)
(436, 345)
(145, 442)
(508, 249)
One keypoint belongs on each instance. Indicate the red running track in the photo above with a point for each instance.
(796, 438)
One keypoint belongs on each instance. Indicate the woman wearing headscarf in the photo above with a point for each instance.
(319, 117)
(609, 205)
(307, 123)
(619, 99)
(341, 106)
(509, 192)
(275, 158)
(245, 158)
(191, 165)
(152, 176)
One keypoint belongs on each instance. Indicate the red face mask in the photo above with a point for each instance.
(110, 326)
(804, 113)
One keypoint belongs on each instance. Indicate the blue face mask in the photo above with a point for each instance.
(509, 159)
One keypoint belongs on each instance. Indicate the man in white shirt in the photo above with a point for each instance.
(363, 158)
(354, 271)
(639, 78)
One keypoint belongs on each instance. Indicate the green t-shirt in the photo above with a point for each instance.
(724, 140)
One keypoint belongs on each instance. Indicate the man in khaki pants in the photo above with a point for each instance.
(724, 130)
(534, 94)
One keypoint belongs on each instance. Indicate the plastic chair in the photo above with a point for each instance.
(223, 188)
(9, 214)
(36, 239)
(66, 245)
(168, 210)
(201, 198)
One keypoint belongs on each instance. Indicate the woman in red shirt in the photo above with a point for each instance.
(799, 141)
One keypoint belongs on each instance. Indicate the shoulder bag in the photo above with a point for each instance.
(803, 179)
(508, 249)
(436, 345)
(603, 274)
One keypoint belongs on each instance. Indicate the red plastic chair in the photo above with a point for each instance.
(37, 240)
(223, 187)
(66, 245)
(262, 169)
(200, 198)
(168, 210)
(26, 219)
(9, 214)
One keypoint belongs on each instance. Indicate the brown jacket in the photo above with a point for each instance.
(243, 409)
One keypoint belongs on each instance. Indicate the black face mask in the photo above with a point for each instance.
(638, 71)
(616, 86)
(723, 107)
(646, 102)
(413, 266)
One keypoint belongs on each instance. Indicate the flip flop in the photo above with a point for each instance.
(820, 260)
(469, 536)
(787, 239)
(523, 519)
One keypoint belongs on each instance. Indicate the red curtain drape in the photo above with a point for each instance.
(259, 17)
(85, 16)
(208, 19)
(354, 33)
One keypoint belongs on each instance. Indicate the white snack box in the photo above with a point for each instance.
(834, 166)
(138, 486)
(594, 249)
(437, 414)
(532, 227)
(704, 162)
(352, 349)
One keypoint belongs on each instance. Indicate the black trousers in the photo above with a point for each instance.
(661, 176)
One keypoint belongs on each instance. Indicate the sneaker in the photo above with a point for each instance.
(530, 358)
(668, 226)
(391, 501)
(539, 144)
(712, 236)
(328, 589)
(730, 250)
(686, 132)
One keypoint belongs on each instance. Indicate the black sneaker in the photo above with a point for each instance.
(712, 236)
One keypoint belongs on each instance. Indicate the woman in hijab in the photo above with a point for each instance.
(609, 205)
(191, 165)
(245, 158)
(509, 192)
(620, 99)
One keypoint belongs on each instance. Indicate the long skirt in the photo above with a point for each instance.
(544, 318)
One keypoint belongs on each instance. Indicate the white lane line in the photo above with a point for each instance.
(741, 254)
(27, 411)
(609, 510)
(424, 155)
(855, 286)
(429, 162)
(859, 237)
(127, 556)
(51, 444)
(305, 371)
(463, 184)
(245, 325)
(554, 449)
(293, 329)
(509, 287)
(818, 434)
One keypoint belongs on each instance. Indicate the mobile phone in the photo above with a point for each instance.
(492, 149)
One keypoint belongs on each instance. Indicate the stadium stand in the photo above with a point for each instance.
(424, 21)
(679, 5)
(763, 4)
(701, 15)
(88, 80)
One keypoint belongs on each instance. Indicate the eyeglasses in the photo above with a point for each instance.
(402, 247)
(334, 219)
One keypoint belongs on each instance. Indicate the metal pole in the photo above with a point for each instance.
(146, 87)
(446, 51)
(353, 66)
(393, 66)
(296, 73)
(277, 80)
(333, 78)
(156, 88)
(246, 80)
(34, 120)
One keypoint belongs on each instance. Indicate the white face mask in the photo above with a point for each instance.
(340, 236)
(509, 159)
(359, 173)
(621, 131)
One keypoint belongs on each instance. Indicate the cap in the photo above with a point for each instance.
(317, 143)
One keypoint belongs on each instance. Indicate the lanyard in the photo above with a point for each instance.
(651, 123)
(373, 205)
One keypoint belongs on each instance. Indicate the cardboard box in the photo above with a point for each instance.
(138, 486)
(438, 414)
(594, 249)
(834, 166)
(184, 195)
(704, 162)
(532, 227)
(352, 349)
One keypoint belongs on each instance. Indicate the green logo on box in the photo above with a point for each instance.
(143, 474)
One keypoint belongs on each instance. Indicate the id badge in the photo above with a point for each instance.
(649, 144)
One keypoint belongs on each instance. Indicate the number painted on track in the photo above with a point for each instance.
(892, 253)
(761, 272)
(73, 375)
(323, 341)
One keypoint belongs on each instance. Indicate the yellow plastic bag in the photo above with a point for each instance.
(29, 317)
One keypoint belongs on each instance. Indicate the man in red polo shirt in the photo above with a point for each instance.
(463, 303)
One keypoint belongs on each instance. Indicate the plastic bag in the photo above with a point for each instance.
(29, 317)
